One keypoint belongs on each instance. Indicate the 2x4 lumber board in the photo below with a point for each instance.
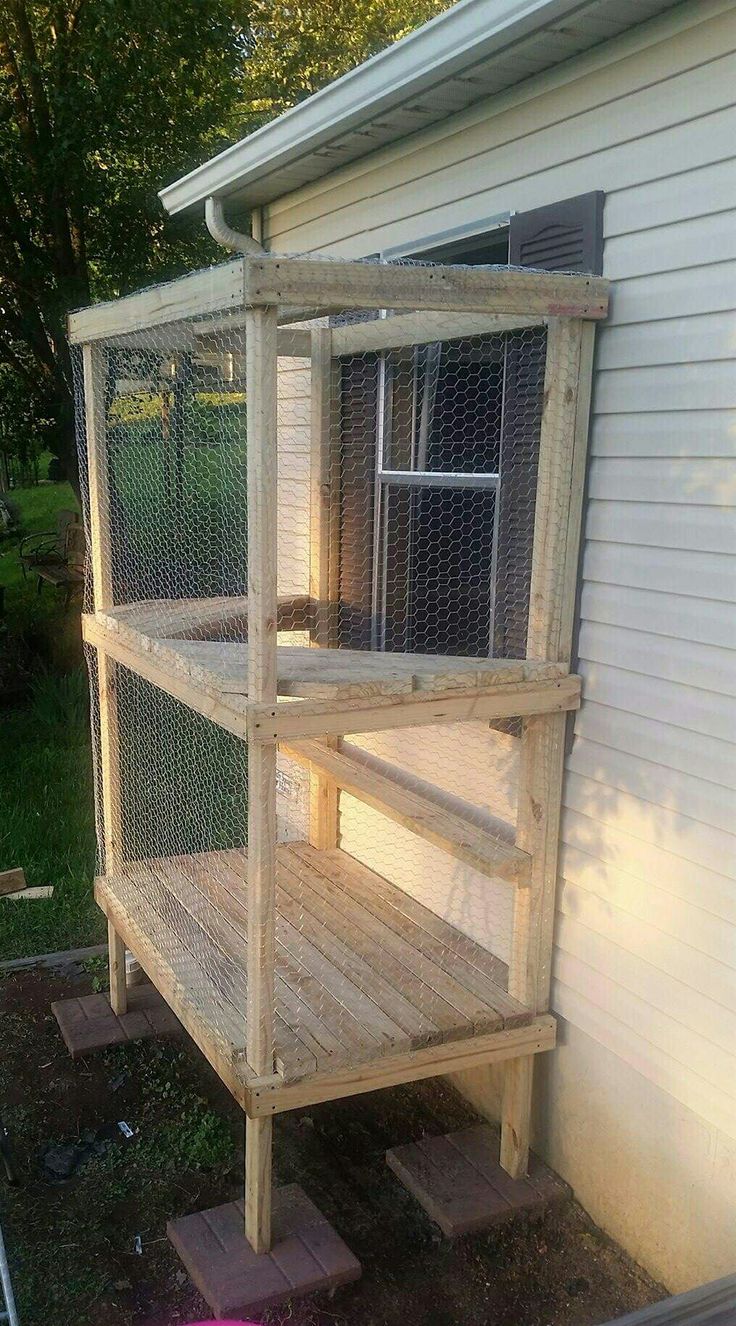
(516, 1109)
(189, 296)
(116, 963)
(322, 718)
(415, 811)
(110, 644)
(272, 1097)
(320, 496)
(422, 329)
(324, 803)
(541, 769)
(339, 284)
(561, 443)
(571, 562)
(94, 368)
(12, 881)
(262, 405)
(261, 329)
(258, 1183)
(98, 478)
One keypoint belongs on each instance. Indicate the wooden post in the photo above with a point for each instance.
(558, 512)
(98, 480)
(261, 385)
(324, 794)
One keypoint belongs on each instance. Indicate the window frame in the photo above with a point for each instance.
(448, 245)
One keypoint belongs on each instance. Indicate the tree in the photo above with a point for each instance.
(100, 100)
(295, 49)
(101, 103)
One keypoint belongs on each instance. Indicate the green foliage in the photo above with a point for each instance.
(295, 49)
(101, 101)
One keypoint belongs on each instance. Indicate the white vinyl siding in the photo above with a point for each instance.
(646, 937)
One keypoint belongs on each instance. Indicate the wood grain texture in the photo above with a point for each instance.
(262, 396)
(321, 283)
(420, 812)
(362, 971)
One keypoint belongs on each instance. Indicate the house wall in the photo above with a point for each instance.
(637, 1109)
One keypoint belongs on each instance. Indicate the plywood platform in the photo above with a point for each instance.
(362, 970)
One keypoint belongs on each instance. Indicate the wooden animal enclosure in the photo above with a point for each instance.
(333, 513)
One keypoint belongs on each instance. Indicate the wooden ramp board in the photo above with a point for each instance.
(89, 1024)
(459, 1182)
(426, 811)
(307, 1255)
(362, 970)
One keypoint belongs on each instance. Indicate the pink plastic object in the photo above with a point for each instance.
(220, 1322)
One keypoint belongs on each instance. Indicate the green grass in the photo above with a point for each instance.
(47, 818)
(46, 807)
(180, 518)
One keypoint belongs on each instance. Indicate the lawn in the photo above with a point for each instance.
(180, 521)
(46, 810)
(38, 618)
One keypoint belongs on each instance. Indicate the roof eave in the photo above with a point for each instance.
(439, 50)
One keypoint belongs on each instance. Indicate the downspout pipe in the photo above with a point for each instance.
(224, 234)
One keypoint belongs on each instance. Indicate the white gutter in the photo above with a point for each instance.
(446, 47)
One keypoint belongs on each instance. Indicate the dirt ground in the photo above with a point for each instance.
(90, 1248)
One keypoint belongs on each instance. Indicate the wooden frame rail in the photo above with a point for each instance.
(267, 279)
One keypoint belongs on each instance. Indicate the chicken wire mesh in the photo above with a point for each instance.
(407, 473)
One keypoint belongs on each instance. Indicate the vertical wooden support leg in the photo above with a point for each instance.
(258, 1151)
(557, 521)
(101, 567)
(516, 1115)
(324, 806)
(262, 625)
(324, 794)
(118, 983)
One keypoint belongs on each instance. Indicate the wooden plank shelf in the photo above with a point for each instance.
(210, 675)
(424, 812)
(362, 970)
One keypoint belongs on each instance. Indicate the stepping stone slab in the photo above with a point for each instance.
(459, 1182)
(89, 1024)
(307, 1255)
